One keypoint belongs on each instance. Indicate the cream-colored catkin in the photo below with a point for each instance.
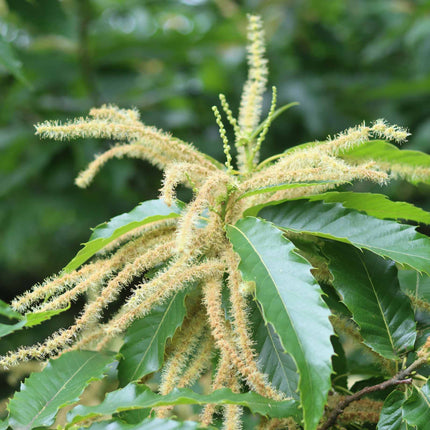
(62, 339)
(225, 342)
(53, 286)
(214, 187)
(241, 323)
(159, 289)
(222, 376)
(114, 114)
(181, 173)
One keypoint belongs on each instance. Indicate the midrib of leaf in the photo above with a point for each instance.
(379, 303)
(30, 425)
(154, 336)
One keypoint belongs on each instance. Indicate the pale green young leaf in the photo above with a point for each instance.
(386, 238)
(36, 318)
(143, 349)
(370, 289)
(416, 409)
(273, 361)
(391, 414)
(103, 234)
(291, 302)
(59, 384)
(134, 396)
(406, 161)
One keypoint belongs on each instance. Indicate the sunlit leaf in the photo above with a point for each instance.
(289, 295)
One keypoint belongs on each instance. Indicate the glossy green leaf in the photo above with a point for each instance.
(147, 424)
(291, 302)
(376, 205)
(339, 377)
(370, 289)
(384, 152)
(9, 60)
(391, 414)
(416, 410)
(389, 239)
(59, 384)
(272, 358)
(135, 396)
(103, 234)
(143, 349)
(284, 186)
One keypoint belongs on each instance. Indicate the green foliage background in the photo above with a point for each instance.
(345, 61)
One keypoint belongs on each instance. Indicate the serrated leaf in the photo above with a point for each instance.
(147, 424)
(59, 384)
(383, 152)
(416, 409)
(370, 289)
(36, 318)
(376, 205)
(291, 302)
(144, 343)
(386, 238)
(135, 396)
(339, 377)
(272, 358)
(9, 60)
(391, 413)
(103, 234)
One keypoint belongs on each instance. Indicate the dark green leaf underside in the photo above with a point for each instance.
(370, 289)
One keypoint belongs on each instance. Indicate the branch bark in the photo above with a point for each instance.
(403, 377)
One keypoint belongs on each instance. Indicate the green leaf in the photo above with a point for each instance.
(4, 425)
(339, 377)
(59, 384)
(9, 60)
(383, 152)
(36, 318)
(391, 414)
(144, 343)
(272, 358)
(370, 289)
(291, 302)
(284, 186)
(103, 234)
(28, 320)
(147, 424)
(389, 239)
(376, 205)
(416, 410)
(135, 396)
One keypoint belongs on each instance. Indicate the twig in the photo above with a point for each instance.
(401, 378)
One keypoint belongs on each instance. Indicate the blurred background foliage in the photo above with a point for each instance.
(344, 61)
